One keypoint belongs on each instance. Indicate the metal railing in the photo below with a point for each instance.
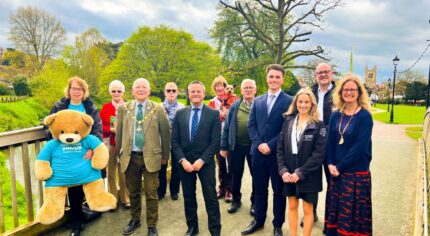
(425, 153)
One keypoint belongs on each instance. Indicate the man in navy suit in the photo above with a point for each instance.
(264, 125)
(196, 135)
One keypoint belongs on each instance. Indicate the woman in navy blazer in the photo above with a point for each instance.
(300, 153)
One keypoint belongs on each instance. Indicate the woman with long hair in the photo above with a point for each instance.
(300, 153)
(349, 152)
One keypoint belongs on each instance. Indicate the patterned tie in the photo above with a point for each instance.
(194, 123)
(270, 103)
(138, 133)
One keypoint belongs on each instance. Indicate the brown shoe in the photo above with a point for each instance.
(220, 194)
(228, 197)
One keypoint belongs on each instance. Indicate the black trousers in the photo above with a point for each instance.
(76, 198)
(175, 181)
(327, 178)
(174, 178)
(208, 182)
(236, 162)
(224, 176)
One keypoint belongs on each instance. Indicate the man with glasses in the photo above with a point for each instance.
(236, 143)
(143, 142)
(322, 90)
(171, 105)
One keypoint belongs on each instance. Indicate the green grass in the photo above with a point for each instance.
(415, 132)
(22, 114)
(403, 114)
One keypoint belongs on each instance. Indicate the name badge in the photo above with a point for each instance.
(308, 137)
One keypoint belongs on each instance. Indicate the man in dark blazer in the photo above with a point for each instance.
(196, 135)
(264, 125)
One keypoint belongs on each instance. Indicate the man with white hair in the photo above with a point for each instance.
(142, 151)
(236, 143)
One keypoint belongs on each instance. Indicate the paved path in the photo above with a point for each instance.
(394, 181)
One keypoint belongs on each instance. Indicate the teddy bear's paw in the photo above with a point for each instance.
(103, 202)
(49, 214)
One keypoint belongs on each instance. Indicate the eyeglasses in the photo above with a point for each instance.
(349, 90)
(76, 89)
(248, 88)
(116, 91)
(171, 90)
(323, 72)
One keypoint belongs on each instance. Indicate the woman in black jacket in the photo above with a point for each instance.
(76, 98)
(300, 153)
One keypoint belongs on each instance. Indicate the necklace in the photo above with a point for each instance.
(139, 122)
(341, 141)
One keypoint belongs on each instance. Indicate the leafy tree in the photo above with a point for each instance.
(282, 25)
(85, 59)
(4, 90)
(161, 54)
(48, 85)
(36, 32)
(20, 86)
(111, 49)
(404, 79)
(416, 90)
(15, 58)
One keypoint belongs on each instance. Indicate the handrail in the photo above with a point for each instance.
(10, 142)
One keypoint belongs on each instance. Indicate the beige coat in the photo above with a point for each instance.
(156, 132)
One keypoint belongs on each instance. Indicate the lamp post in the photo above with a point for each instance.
(395, 63)
(388, 95)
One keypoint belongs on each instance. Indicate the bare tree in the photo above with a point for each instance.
(294, 20)
(36, 32)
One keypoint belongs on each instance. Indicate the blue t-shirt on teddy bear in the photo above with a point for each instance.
(68, 163)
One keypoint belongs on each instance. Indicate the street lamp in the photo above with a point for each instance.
(395, 63)
(388, 95)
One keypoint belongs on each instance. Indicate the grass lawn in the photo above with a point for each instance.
(403, 114)
(415, 132)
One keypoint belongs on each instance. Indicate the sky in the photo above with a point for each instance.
(376, 30)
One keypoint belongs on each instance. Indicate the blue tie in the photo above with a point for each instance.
(194, 123)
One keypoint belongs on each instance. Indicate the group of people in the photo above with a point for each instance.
(287, 140)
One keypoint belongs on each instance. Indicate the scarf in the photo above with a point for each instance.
(171, 109)
(116, 105)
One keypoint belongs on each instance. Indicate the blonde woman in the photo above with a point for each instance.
(349, 152)
(300, 153)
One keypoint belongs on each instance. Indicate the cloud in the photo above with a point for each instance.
(377, 30)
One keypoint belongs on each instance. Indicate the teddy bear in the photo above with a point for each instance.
(61, 165)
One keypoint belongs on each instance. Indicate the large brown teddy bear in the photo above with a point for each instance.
(61, 165)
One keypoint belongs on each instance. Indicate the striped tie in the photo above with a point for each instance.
(138, 133)
(194, 123)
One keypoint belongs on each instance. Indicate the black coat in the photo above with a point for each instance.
(310, 155)
(90, 109)
(207, 141)
(328, 102)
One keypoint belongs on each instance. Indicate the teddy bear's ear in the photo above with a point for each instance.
(88, 120)
(49, 119)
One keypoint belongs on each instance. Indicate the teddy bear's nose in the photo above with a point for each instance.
(69, 140)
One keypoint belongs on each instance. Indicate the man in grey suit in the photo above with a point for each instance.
(143, 141)
(196, 135)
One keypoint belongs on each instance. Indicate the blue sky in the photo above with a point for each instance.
(377, 30)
